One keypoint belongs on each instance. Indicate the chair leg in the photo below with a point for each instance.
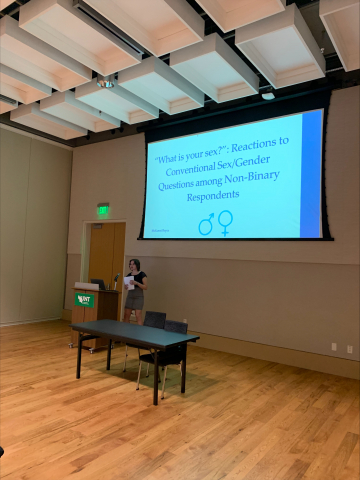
(180, 369)
(138, 380)
(147, 370)
(124, 369)
(163, 387)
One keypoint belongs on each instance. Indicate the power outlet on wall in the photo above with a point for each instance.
(349, 349)
(334, 347)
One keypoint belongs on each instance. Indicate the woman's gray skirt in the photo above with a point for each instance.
(135, 299)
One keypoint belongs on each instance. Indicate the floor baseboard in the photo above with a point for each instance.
(311, 361)
(24, 322)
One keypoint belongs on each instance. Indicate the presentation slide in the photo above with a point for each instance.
(259, 180)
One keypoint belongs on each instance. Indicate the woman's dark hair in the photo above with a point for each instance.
(137, 263)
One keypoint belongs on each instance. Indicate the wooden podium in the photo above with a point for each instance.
(91, 305)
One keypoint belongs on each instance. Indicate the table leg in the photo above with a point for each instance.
(183, 367)
(109, 355)
(78, 367)
(156, 378)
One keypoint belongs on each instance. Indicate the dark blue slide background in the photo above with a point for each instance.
(310, 209)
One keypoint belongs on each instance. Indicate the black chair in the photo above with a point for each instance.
(172, 356)
(152, 319)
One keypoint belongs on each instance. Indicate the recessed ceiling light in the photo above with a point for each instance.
(268, 96)
(105, 82)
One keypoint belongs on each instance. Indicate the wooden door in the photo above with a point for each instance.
(102, 252)
(107, 249)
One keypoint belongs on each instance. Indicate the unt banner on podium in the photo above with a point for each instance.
(84, 299)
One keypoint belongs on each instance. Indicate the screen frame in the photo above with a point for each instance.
(248, 115)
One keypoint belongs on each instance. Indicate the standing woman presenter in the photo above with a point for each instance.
(135, 297)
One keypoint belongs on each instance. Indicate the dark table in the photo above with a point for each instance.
(142, 337)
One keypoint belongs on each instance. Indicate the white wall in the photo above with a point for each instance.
(299, 295)
(35, 195)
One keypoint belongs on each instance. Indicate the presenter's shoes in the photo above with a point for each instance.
(1, 452)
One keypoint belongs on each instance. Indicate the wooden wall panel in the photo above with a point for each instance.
(119, 249)
(15, 163)
(118, 262)
(35, 197)
(47, 217)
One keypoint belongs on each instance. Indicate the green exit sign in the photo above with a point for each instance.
(103, 208)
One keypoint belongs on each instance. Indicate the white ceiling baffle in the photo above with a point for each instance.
(231, 14)
(7, 107)
(282, 48)
(157, 83)
(33, 117)
(161, 26)
(5, 3)
(31, 56)
(59, 24)
(215, 69)
(64, 105)
(341, 19)
(20, 87)
(117, 102)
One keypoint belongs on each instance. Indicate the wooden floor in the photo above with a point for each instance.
(240, 418)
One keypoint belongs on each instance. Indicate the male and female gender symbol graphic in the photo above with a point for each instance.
(205, 226)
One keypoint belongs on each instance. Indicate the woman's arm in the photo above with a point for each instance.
(143, 285)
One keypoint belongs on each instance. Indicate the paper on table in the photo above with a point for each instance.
(127, 282)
